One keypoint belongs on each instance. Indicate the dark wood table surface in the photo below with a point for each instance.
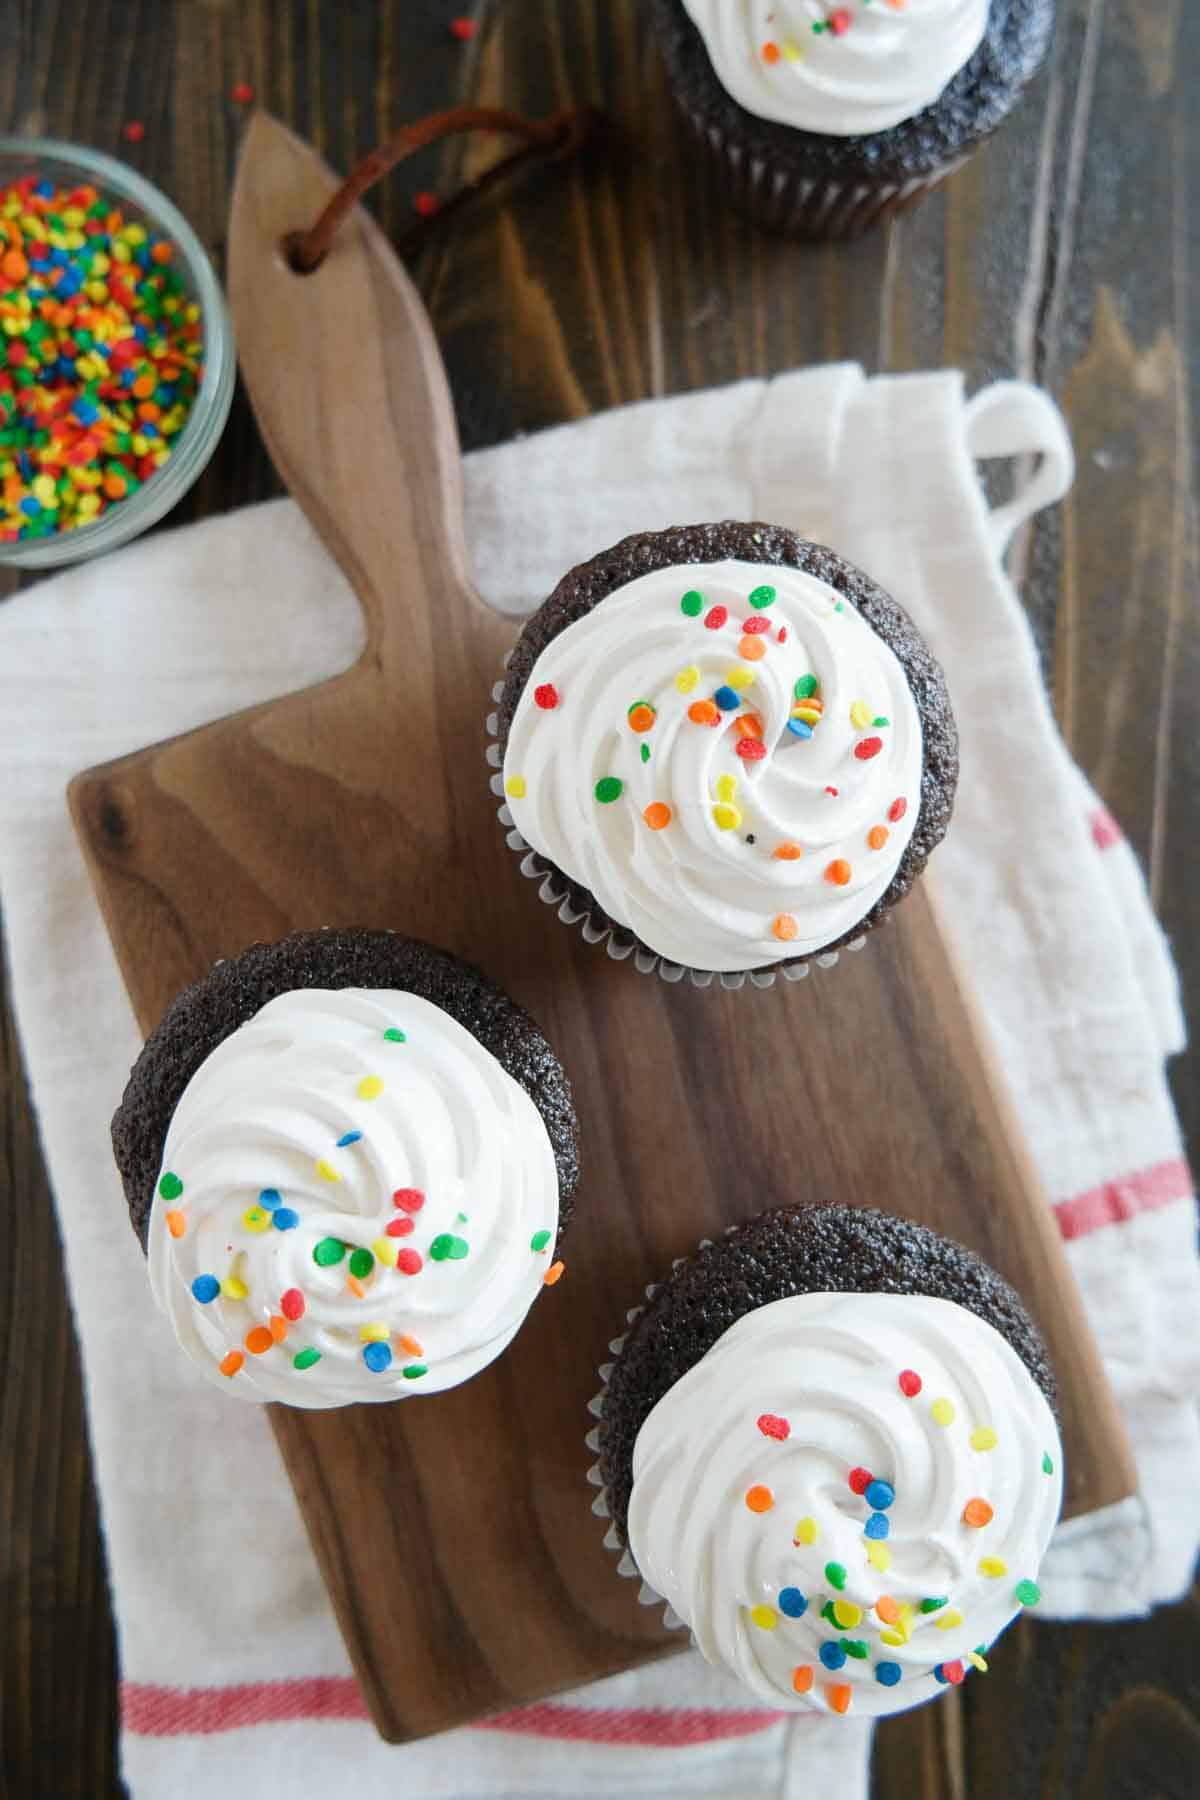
(1062, 253)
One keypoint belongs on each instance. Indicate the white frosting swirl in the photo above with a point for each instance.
(327, 1118)
(839, 69)
(821, 1372)
(817, 824)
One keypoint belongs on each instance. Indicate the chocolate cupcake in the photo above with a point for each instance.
(828, 1443)
(825, 119)
(349, 1158)
(724, 748)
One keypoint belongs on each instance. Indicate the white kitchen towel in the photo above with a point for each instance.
(234, 1674)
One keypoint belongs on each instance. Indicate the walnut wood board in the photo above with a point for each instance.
(455, 1534)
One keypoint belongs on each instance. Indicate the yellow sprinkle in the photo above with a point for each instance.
(846, 1613)
(974, 1658)
(233, 1288)
(256, 1218)
(791, 51)
(983, 1438)
(893, 1638)
(943, 1412)
(739, 678)
(326, 1170)
(993, 1567)
(812, 715)
(728, 817)
(806, 1531)
(726, 787)
(374, 1333)
(370, 1087)
(860, 715)
(687, 678)
(879, 1557)
(765, 1617)
(386, 1251)
(946, 1621)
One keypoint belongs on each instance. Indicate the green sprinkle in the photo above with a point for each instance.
(881, 721)
(936, 1605)
(539, 1240)
(691, 603)
(835, 1573)
(394, 1036)
(608, 789)
(827, 1613)
(414, 1371)
(1027, 1592)
(645, 749)
(762, 596)
(330, 1250)
(839, 607)
(1047, 1465)
(304, 1359)
(361, 1263)
(806, 687)
(170, 1187)
(448, 1248)
(460, 1218)
(856, 1647)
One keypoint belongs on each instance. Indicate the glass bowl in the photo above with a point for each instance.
(67, 165)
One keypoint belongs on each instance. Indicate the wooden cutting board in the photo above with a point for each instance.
(455, 1533)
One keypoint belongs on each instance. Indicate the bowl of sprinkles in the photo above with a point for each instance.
(116, 354)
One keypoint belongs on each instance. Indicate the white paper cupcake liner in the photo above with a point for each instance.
(552, 890)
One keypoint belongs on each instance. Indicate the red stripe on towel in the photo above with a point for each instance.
(646, 1727)
(1160, 1185)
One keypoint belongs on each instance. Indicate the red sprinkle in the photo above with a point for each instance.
(897, 809)
(291, 1304)
(399, 1227)
(772, 1426)
(781, 634)
(715, 617)
(133, 131)
(546, 696)
(463, 29)
(839, 21)
(954, 1673)
(866, 748)
(426, 204)
(860, 1480)
(409, 1262)
(753, 626)
(832, 791)
(242, 93)
(411, 1199)
(750, 749)
(910, 1383)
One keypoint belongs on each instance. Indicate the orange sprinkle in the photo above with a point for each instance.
(356, 1287)
(802, 1678)
(143, 387)
(641, 717)
(759, 1499)
(161, 252)
(554, 1273)
(751, 725)
(657, 814)
(838, 1695)
(888, 1609)
(838, 871)
(785, 928)
(753, 649)
(770, 52)
(877, 837)
(114, 487)
(258, 1339)
(231, 1362)
(176, 1223)
(788, 852)
(977, 1513)
(407, 1342)
(704, 712)
(13, 266)
(278, 1328)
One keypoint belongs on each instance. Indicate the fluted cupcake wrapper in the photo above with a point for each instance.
(552, 891)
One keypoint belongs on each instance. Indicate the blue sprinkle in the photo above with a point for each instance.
(284, 1219)
(880, 1495)
(728, 699)
(832, 1655)
(377, 1357)
(31, 507)
(888, 1673)
(799, 728)
(877, 1526)
(792, 1602)
(86, 412)
(351, 1137)
(206, 1288)
(939, 1674)
(270, 1198)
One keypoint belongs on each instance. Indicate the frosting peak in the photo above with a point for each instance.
(357, 1202)
(848, 1498)
(840, 70)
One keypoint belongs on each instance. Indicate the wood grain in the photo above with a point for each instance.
(639, 283)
